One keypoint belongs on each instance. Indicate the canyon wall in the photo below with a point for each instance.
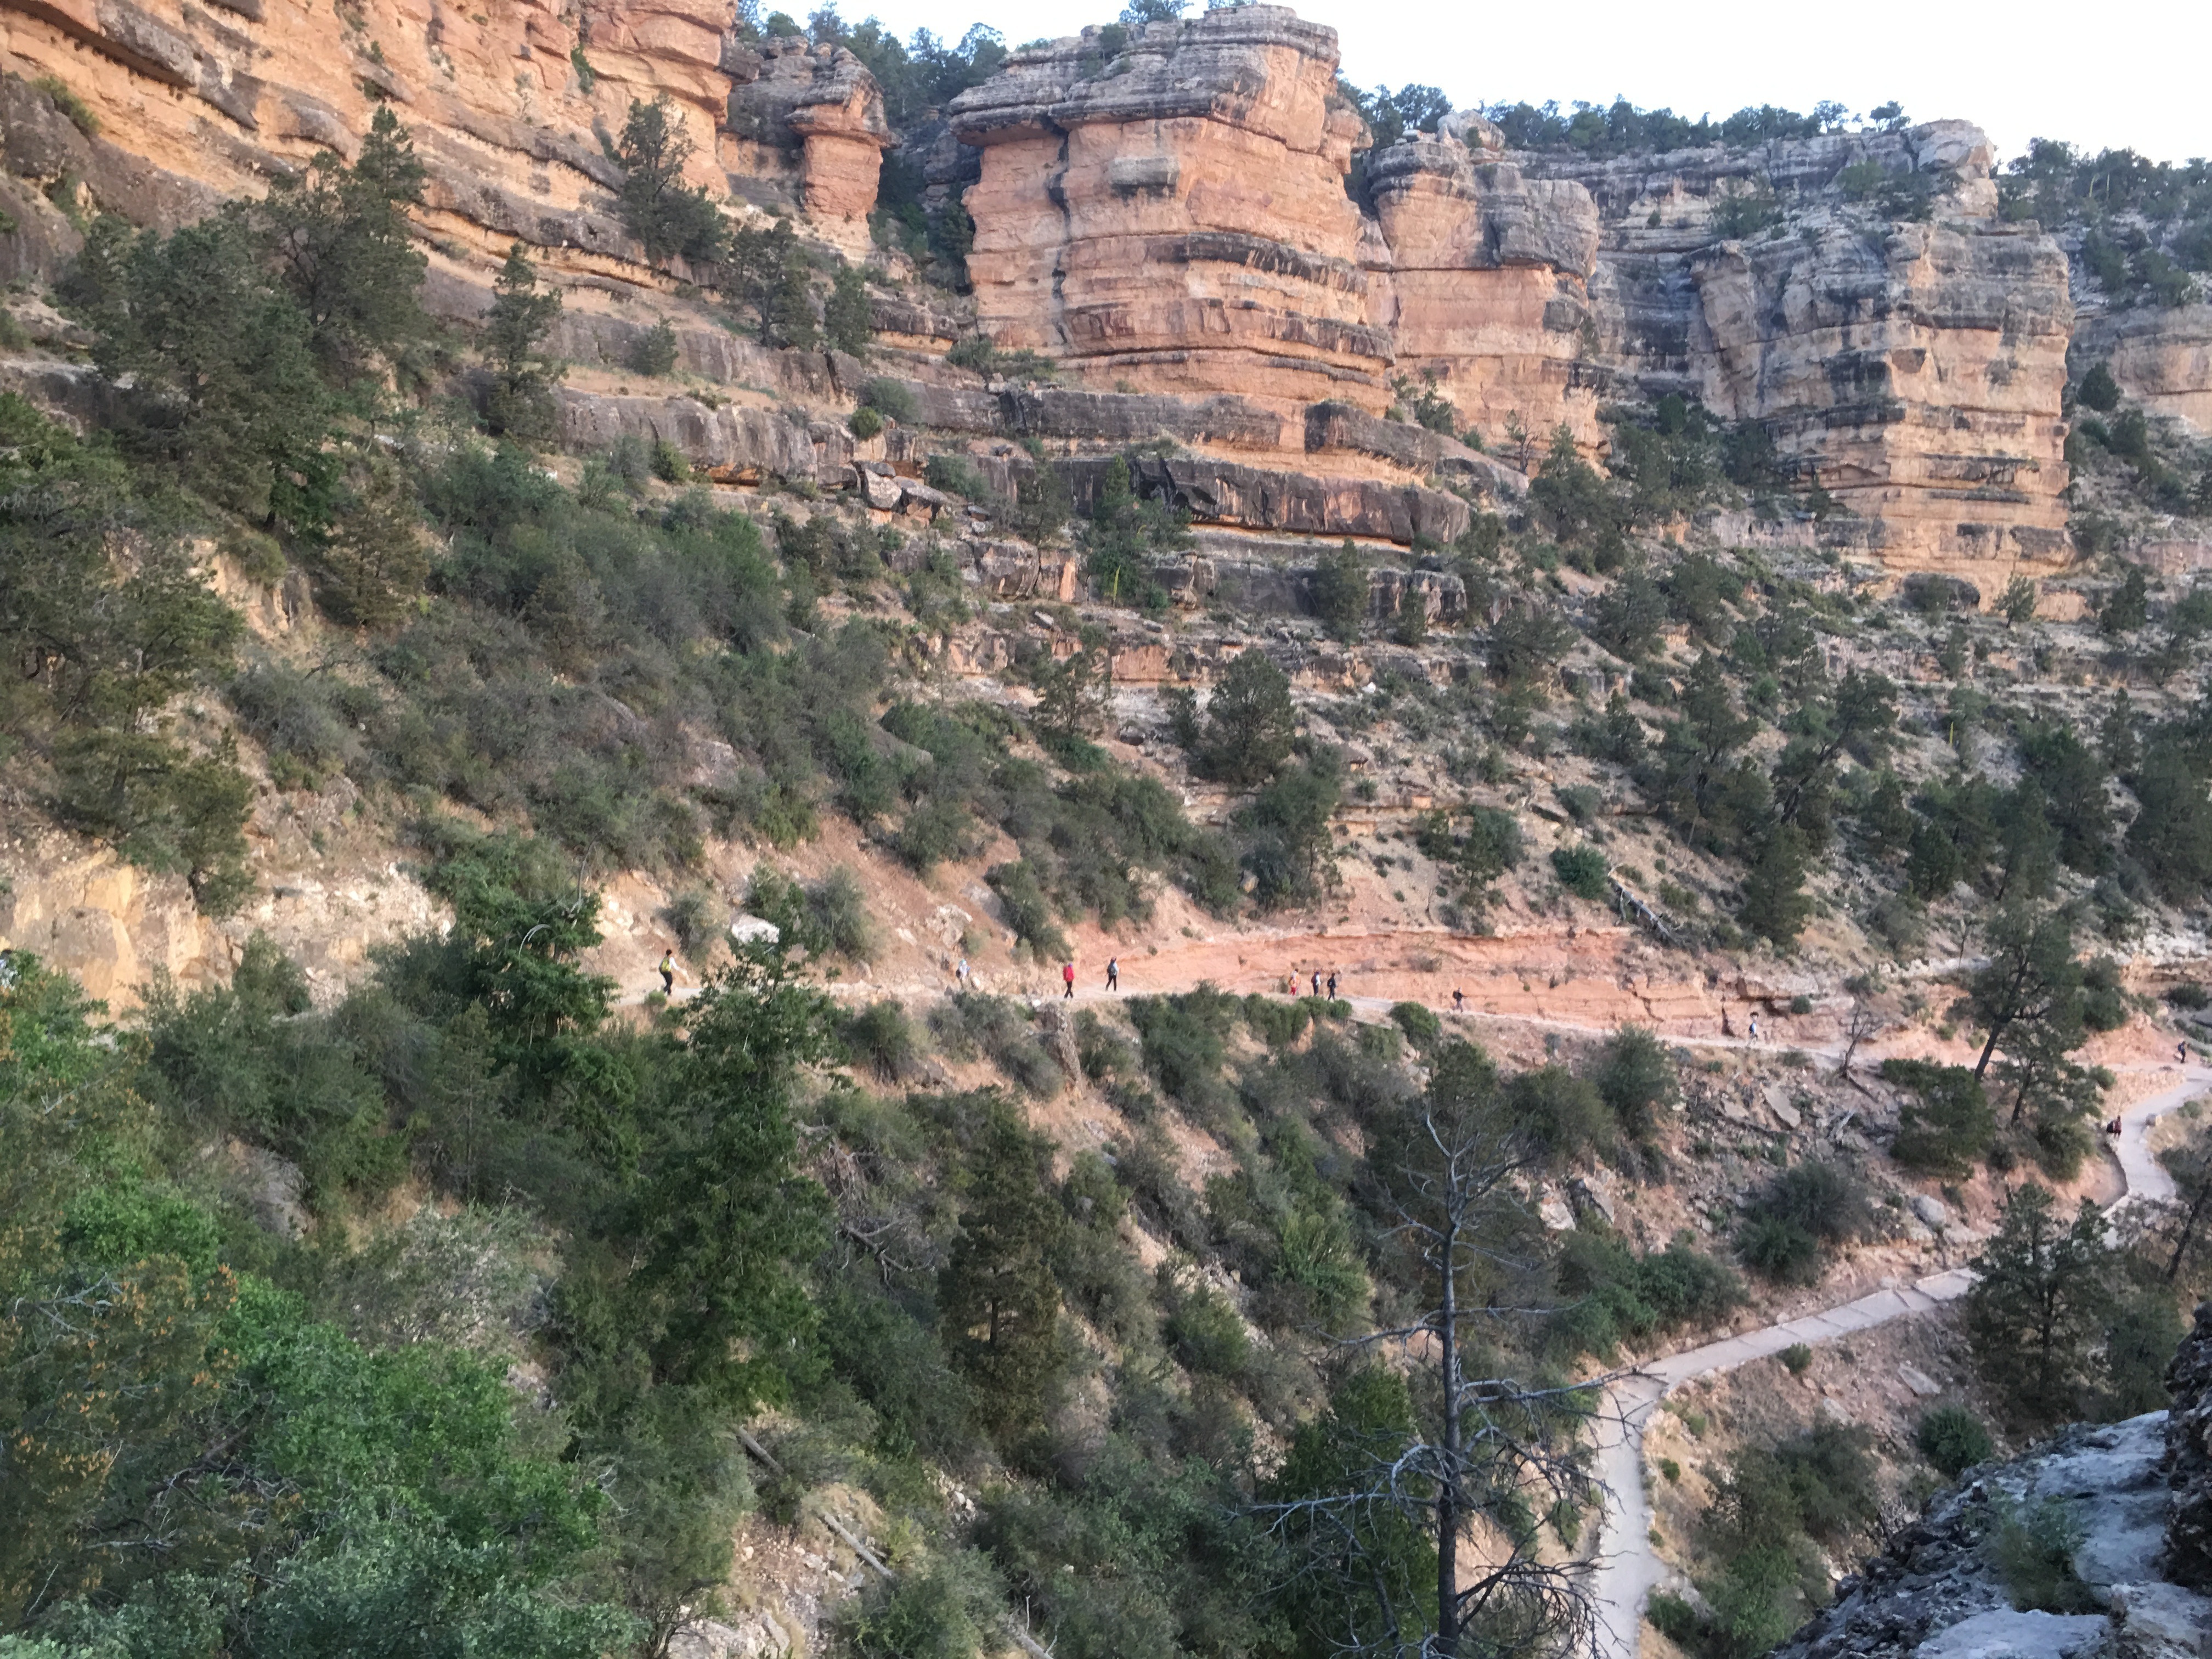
(1903, 347)
(511, 108)
(1175, 213)
(1165, 211)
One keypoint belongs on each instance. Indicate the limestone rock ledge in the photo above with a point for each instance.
(1934, 1593)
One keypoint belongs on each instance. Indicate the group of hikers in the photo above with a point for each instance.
(1291, 983)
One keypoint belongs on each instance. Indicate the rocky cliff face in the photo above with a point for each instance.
(1165, 214)
(1169, 213)
(511, 109)
(1913, 367)
(1491, 276)
(1175, 213)
(2137, 1495)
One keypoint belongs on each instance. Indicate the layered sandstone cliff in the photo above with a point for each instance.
(1910, 360)
(513, 110)
(1491, 273)
(1166, 212)
(1175, 212)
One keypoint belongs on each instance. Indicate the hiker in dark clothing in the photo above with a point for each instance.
(1316, 982)
(1113, 973)
(668, 973)
(1331, 988)
(1459, 1002)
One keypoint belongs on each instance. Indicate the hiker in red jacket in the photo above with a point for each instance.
(1067, 978)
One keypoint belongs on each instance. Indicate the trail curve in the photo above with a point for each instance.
(1629, 1571)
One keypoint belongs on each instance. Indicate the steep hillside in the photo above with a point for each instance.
(1612, 699)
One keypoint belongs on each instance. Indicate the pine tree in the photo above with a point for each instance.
(666, 216)
(520, 406)
(377, 563)
(849, 319)
(999, 1301)
(344, 243)
(2036, 1312)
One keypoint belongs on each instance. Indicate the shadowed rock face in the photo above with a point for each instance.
(2188, 1458)
(1490, 270)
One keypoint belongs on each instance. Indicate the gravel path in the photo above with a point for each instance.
(1630, 1570)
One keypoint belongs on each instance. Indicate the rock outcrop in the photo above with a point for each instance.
(811, 113)
(1174, 212)
(1935, 1593)
(2188, 1467)
(1912, 367)
(511, 110)
(1490, 271)
(1166, 211)
(2160, 356)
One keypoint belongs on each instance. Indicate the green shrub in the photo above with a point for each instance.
(1340, 591)
(1636, 1076)
(2034, 1550)
(946, 1608)
(1797, 1359)
(881, 1039)
(1008, 1035)
(669, 463)
(1674, 1619)
(893, 399)
(956, 475)
(1618, 1295)
(1421, 1025)
(1207, 1333)
(1582, 869)
(1790, 1225)
(1953, 1439)
(1560, 1112)
(1948, 1125)
(1276, 1021)
(69, 104)
(1029, 913)
(864, 424)
(697, 917)
(655, 352)
(1183, 1041)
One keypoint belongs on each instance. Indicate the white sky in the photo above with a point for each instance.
(2138, 77)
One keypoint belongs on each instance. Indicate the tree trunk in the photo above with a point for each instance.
(1988, 1048)
(1447, 1643)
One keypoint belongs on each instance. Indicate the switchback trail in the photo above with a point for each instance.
(1630, 1571)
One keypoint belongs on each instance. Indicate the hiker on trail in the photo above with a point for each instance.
(2114, 1128)
(1459, 1002)
(668, 973)
(1067, 978)
(1316, 982)
(1114, 973)
(1754, 1028)
(1331, 985)
(2181, 1053)
(960, 977)
(1291, 983)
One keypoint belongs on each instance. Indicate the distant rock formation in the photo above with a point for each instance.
(1173, 213)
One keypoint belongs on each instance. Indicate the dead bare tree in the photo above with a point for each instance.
(1864, 1025)
(1487, 1456)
